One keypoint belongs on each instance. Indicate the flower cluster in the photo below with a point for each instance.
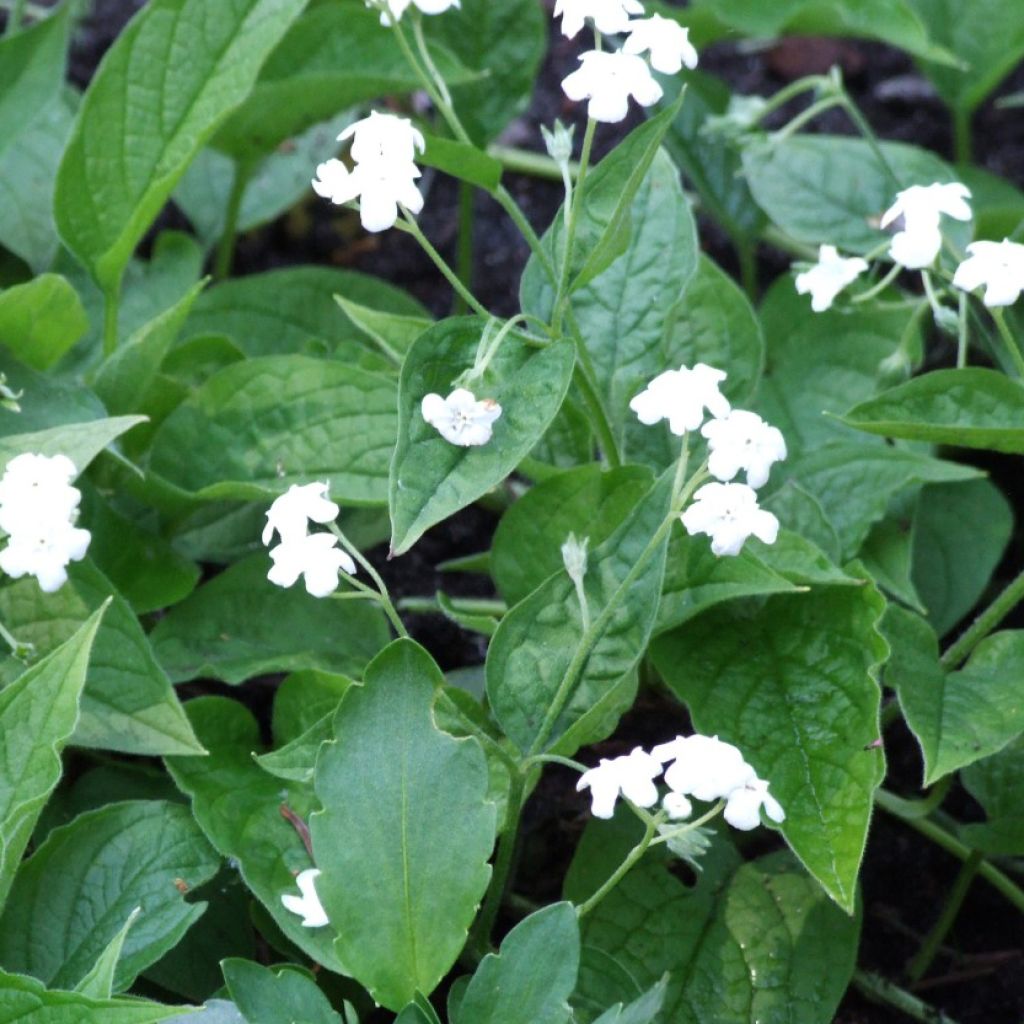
(384, 172)
(917, 212)
(38, 511)
(307, 905)
(738, 441)
(314, 556)
(699, 767)
(608, 78)
(460, 418)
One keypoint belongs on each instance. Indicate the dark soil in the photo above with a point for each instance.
(979, 976)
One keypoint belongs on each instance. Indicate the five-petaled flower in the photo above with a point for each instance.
(828, 277)
(608, 16)
(743, 441)
(315, 557)
(999, 266)
(703, 767)
(307, 905)
(608, 79)
(461, 418)
(729, 514)
(291, 513)
(667, 42)
(681, 397)
(919, 241)
(743, 805)
(38, 511)
(632, 775)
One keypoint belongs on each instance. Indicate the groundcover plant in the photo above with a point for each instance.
(747, 544)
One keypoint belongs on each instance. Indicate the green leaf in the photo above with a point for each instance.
(237, 805)
(404, 858)
(73, 895)
(957, 717)
(80, 442)
(271, 995)
(148, 112)
(644, 1010)
(854, 483)
(463, 161)
(818, 363)
(995, 782)
(393, 333)
(283, 311)
(334, 57)
(985, 35)
(256, 427)
(215, 1011)
(833, 189)
(38, 713)
(960, 534)
(505, 43)
(99, 981)
(541, 642)
(27, 1001)
(588, 501)
(41, 320)
(750, 942)
(533, 975)
(241, 625)
(887, 554)
(128, 704)
(431, 478)
(969, 408)
(793, 684)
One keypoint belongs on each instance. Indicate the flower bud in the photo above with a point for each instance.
(574, 556)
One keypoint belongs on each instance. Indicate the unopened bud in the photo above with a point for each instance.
(559, 143)
(574, 556)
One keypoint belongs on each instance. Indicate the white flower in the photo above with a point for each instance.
(608, 16)
(676, 806)
(45, 553)
(334, 181)
(729, 514)
(681, 396)
(632, 775)
(608, 80)
(383, 137)
(460, 419)
(743, 807)
(291, 513)
(828, 277)
(703, 767)
(742, 440)
(308, 904)
(667, 42)
(315, 557)
(921, 207)
(394, 9)
(999, 266)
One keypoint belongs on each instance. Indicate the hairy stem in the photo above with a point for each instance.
(987, 621)
(881, 990)
(226, 245)
(439, 261)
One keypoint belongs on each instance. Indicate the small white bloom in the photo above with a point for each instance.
(742, 440)
(743, 808)
(383, 188)
(828, 277)
(921, 207)
(308, 905)
(609, 16)
(677, 806)
(316, 557)
(608, 80)
(632, 775)
(703, 767)
(574, 557)
(999, 266)
(291, 513)
(667, 42)
(334, 181)
(460, 419)
(729, 514)
(394, 9)
(45, 553)
(36, 487)
(681, 396)
(383, 137)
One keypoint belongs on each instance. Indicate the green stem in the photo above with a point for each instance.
(1008, 339)
(15, 16)
(868, 133)
(21, 650)
(511, 207)
(565, 762)
(689, 826)
(805, 116)
(487, 741)
(465, 251)
(111, 306)
(621, 871)
(382, 588)
(922, 960)
(746, 252)
(466, 605)
(226, 245)
(891, 804)
(450, 276)
(598, 416)
(790, 92)
(987, 621)
(962, 338)
(880, 990)
(962, 135)
(880, 286)
(526, 161)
